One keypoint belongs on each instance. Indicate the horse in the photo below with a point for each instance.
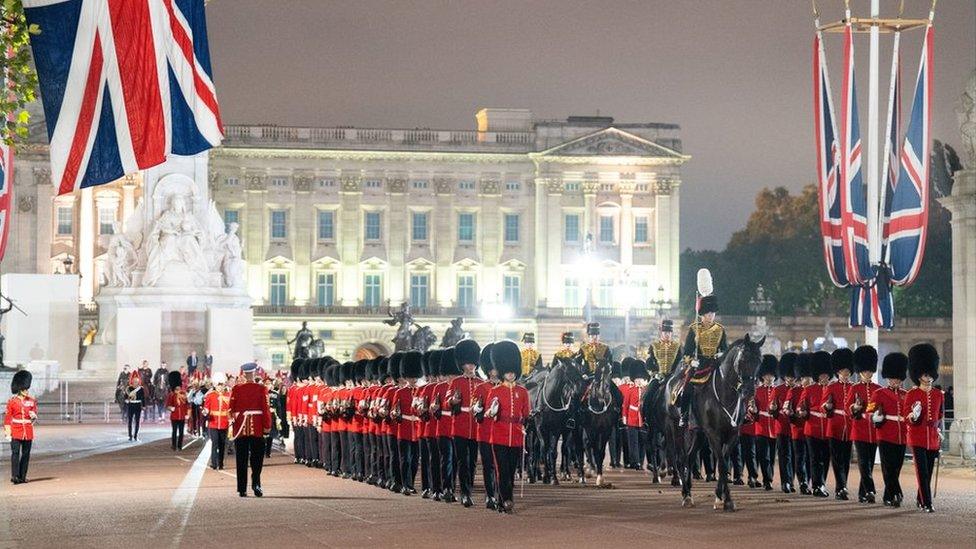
(718, 410)
(602, 405)
(555, 406)
(659, 439)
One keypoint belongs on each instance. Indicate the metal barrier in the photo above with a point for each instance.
(76, 412)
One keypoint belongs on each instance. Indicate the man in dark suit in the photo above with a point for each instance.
(192, 362)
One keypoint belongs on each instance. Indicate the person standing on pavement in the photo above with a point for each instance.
(18, 425)
(250, 420)
(216, 408)
(192, 363)
(135, 396)
(176, 403)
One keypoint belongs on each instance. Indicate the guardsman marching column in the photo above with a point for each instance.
(888, 413)
(593, 351)
(508, 408)
(250, 421)
(531, 358)
(812, 409)
(859, 403)
(838, 420)
(479, 402)
(18, 425)
(767, 409)
(459, 396)
(216, 408)
(924, 407)
(783, 420)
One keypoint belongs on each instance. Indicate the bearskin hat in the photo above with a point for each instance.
(303, 369)
(174, 380)
(506, 358)
(768, 366)
(841, 359)
(708, 304)
(359, 370)
(568, 338)
(327, 374)
(21, 381)
(432, 366)
(593, 329)
(787, 365)
(528, 337)
(370, 371)
(296, 369)
(411, 366)
(466, 351)
(820, 364)
(803, 366)
(923, 359)
(383, 369)
(425, 362)
(484, 361)
(393, 368)
(865, 359)
(635, 368)
(449, 365)
(345, 372)
(894, 366)
(615, 370)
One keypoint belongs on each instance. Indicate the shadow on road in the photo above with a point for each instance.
(324, 498)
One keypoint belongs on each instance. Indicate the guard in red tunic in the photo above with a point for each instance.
(250, 421)
(633, 392)
(216, 408)
(924, 406)
(292, 400)
(178, 407)
(394, 482)
(794, 409)
(838, 420)
(485, 425)
(888, 413)
(865, 437)
(781, 420)
(459, 394)
(508, 406)
(767, 409)
(813, 411)
(445, 424)
(404, 415)
(430, 468)
(18, 425)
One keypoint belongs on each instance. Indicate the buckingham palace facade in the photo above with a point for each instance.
(518, 225)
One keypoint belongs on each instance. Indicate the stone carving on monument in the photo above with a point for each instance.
(121, 259)
(453, 334)
(406, 338)
(966, 113)
(303, 341)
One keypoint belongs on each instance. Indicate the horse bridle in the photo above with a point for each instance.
(733, 418)
(546, 400)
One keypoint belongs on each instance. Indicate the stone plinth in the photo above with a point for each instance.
(49, 329)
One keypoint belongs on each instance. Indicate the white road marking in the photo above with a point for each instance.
(186, 494)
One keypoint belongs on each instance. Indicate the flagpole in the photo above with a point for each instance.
(874, 241)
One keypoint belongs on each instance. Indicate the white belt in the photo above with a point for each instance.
(447, 414)
(817, 414)
(133, 402)
(466, 409)
(635, 407)
(767, 414)
(252, 412)
(410, 418)
(894, 418)
(20, 421)
(840, 412)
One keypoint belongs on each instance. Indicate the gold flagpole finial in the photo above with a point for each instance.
(816, 10)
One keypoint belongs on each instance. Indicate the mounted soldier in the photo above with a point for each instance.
(531, 358)
(566, 350)
(665, 353)
(704, 345)
(593, 352)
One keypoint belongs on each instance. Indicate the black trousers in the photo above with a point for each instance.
(408, 462)
(176, 438)
(445, 445)
(819, 461)
(325, 449)
(488, 470)
(467, 459)
(312, 443)
(865, 466)
(506, 461)
(379, 448)
(801, 460)
(299, 432)
(133, 415)
(393, 449)
(766, 454)
(356, 439)
(784, 449)
(425, 464)
(892, 459)
(19, 458)
(434, 474)
(249, 450)
(346, 453)
(635, 447)
(335, 452)
(615, 447)
(840, 459)
(924, 468)
(748, 444)
(218, 443)
(368, 456)
(735, 460)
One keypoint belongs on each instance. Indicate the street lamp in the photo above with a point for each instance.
(588, 272)
(760, 305)
(495, 312)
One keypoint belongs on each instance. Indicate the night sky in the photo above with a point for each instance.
(736, 75)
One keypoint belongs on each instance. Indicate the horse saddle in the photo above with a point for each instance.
(702, 376)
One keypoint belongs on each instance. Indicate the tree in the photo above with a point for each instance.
(16, 66)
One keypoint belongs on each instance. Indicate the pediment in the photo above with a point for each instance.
(278, 251)
(612, 142)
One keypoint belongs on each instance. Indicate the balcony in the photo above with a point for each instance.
(361, 311)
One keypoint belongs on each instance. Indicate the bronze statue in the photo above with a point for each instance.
(454, 334)
(303, 341)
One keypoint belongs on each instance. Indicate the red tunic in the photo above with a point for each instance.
(177, 405)
(406, 427)
(465, 425)
(862, 428)
(485, 427)
(765, 421)
(428, 423)
(217, 405)
(781, 423)
(386, 401)
(249, 410)
(325, 396)
(312, 404)
(839, 421)
(445, 424)
(631, 411)
(812, 399)
(797, 424)
(302, 404)
(358, 394)
(924, 431)
(513, 410)
(20, 416)
(291, 404)
(891, 403)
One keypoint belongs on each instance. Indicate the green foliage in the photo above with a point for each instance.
(780, 248)
(16, 66)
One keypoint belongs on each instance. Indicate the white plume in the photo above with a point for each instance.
(704, 282)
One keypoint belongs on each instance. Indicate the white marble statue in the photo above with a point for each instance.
(967, 120)
(120, 260)
(176, 237)
(232, 262)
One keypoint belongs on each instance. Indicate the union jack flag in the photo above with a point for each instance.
(853, 198)
(910, 197)
(6, 173)
(124, 83)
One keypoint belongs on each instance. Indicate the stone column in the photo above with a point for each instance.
(86, 246)
(554, 229)
(962, 205)
(626, 224)
(541, 233)
(350, 223)
(303, 238)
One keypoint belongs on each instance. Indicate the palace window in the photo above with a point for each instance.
(419, 227)
(640, 230)
(325, 183)
(465, 291)
(325, 289)
(106, 221)
(604, 297)
(372, 226)
(326, 334)
(606, 187)
(279, 224)
(373, 184)
(231, 216)
(419, 184)
(277, 359)
(572, 228)
(571, 293)
(511, 228)
(232, 181)
(467, 185)
(513, 186)
(466, 227)
(277, 334)
(513, 290)
(573, 186)
(419, 289)
(372, 290)
(641, 187)
(279, 182)
(326, 225)
(606, 229)
(65, 220)
(278, 290)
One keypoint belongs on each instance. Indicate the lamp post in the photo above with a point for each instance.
(588, 271)
(661, 305)
(760, 305)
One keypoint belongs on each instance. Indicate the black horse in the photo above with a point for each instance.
(659, 439)
(601, 415)
(555, 409)
(718, 410)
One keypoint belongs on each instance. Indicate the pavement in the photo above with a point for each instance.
(113, 493)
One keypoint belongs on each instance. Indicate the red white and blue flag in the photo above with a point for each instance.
(6, 173)
(910, 197)
(124, 83)
(853, 199)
